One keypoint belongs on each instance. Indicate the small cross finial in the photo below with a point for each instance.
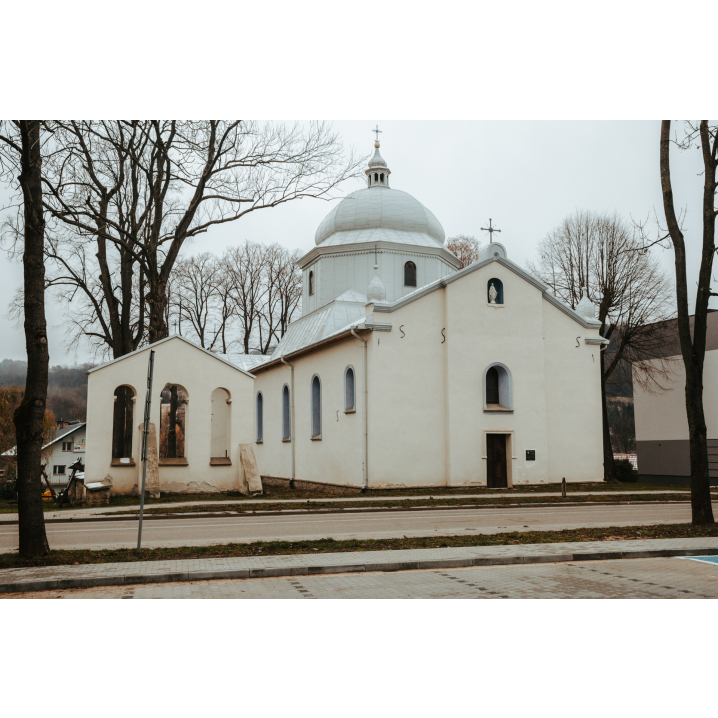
(490, 229)
(378, 132)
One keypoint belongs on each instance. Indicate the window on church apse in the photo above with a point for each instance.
(349, 400)
(316, 408)
(286, 415)
(122, 423)
(498, 389)
(260, 418)
(173, 421)
(311, 283)
(410, 274)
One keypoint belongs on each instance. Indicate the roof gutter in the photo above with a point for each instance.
(291, 428)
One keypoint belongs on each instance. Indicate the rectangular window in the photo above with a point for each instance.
(67, 446)
(58, 470)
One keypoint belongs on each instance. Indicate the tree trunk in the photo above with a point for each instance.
(30, 414)
(157, 301)
(702, 509)
(692, 348)
(609, 466)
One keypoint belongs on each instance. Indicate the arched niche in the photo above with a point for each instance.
(498, 388)
(123, 422)
(220, 434)
(499, 287)
(174, 401)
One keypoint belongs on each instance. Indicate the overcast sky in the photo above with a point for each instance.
(526, 176)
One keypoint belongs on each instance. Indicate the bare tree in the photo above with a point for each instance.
(146, 187)
(284, 293)
(693, 343)
(197, 297)
(465, 248)
(597, 254)
(21, 157)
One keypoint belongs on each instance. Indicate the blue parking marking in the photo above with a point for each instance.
(703, 559)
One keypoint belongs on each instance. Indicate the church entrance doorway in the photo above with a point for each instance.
(497, 474)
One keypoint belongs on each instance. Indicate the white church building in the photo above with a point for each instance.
(403, 371)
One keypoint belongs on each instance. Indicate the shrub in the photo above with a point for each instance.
(625, 472)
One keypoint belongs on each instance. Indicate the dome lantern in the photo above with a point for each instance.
(377, 173)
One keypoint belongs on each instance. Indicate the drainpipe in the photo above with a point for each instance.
(365, 477)
(291, 428)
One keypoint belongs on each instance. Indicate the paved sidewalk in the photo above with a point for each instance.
(99, 510)
(114, 574)
(657, 578)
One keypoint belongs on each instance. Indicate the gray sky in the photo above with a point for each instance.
(527, 176)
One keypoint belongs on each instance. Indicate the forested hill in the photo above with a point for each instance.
(66, 391)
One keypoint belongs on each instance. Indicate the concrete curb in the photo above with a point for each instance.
(249, 573)
(357, 510)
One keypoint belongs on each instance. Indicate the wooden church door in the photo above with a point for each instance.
(496, 461)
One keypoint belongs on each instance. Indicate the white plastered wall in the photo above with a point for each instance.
(337, 457)
(176, 362)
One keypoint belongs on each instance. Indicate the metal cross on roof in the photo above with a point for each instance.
(378, 132)
(490, 229)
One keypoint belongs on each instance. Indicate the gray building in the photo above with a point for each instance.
(662, 441)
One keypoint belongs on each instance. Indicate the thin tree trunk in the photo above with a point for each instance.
(692, 348)
(30, 414)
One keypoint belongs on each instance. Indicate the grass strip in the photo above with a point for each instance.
(398, 505)
(273, 493)
(329, 545)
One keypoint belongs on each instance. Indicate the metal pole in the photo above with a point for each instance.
(145, 432)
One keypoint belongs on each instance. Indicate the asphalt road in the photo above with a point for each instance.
(394, 524)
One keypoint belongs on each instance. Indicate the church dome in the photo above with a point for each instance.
(380, 213)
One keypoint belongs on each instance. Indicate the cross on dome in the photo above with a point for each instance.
(378, 132)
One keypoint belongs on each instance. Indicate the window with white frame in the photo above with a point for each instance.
(316, 408)
(349, 393)
(286, 415)
(260, 418)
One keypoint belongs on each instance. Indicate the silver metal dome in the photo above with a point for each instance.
(380, 214)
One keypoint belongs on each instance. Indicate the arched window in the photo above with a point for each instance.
(381, 177)
(311, 283)
(376, 177)
(316, 408)
(410, 274)
(220, 439)
(498, 291)
(173, 421)
(260, 418)
(498, 388)
(349, 400)
(122, 423)
(286, 416)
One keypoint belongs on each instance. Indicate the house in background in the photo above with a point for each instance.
(662, 441)
(62, 452)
